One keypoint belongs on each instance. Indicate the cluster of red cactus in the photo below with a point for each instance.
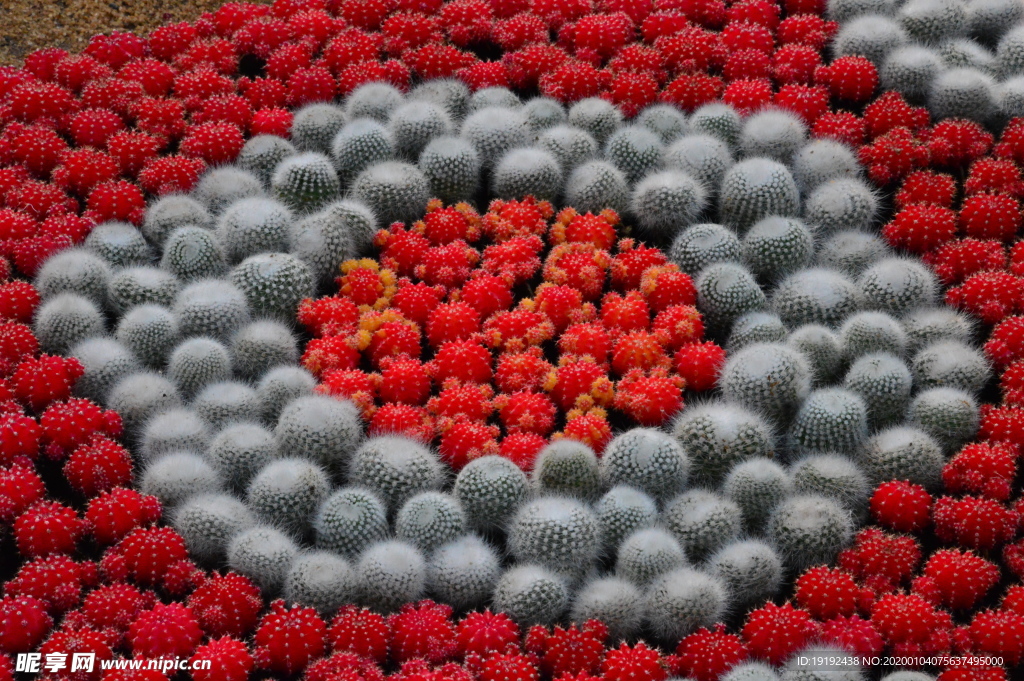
(438, 339)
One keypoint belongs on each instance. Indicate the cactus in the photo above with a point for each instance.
(493, 131)
(966, 54)
(718, 120)
(903, 453)
(753, 671)
(822, 160)
(867, 332)
(646, 554)
(726, 290)
(989, 20)
(834, 476)
(596, 116)
(823, 663)
(750, 569)
(755, 327)
(140, 396)
(701, 245)
(373, 100)
(1011, 98)
(850, 252)
(493, 97)
(950, 364)
(570, 146)
(807, 529)
(932, 21)
(321, 580)
(822, 348)
(394, 191)
(928, 325)
(450, 94)
(664, 120)
(947, 414)
(910, 71)
(452, 167)
(391, 573)
(319, 427)
(223, 186)
(770, 378)
(414, 124)
(241, 450)
(634, 150)
(396, 468)
(567, 467)
(871, 35)
(315, 125)
(174, 477)
(648, 459)
(65, 320)
(490, 489)
(208, 523)
(756, 486)
(614, 602)
(170, 212)
(717, 435)
(119, 243)
(531, 594)
(754, 189)
(842, 203)
(150, 332)
(251, 226)
(227, 402)
(305, 182)
(596, 185)
(273, 283)
(527, 172)
(106, 361)
(963, 93)
(776, 246)
(463, 572)
(683, 600)
(175, 430)
(830, 419)
(192, 253)
(260, 346)
(196, 363)
(211, 307)
(133, 286)
(75, 270)
(703, 157)
(360, 144)
(349, 520)
(543, 113)
(264, 555)
(816, 296)
(260, 156)
(884, 381)
(339, 232)
(772, 133)
(430, 519)
(287, 492)
(558, 532)
(665, 201)
(279, 386)
(703, 521)
(622, 511)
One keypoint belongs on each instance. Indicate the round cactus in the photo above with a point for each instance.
(947, 414)
(718, 120)
(647, 554)
(319, 427)
(871, 35)
(170, 212)
(373, 100)
(665, 201)
(850, 252)
(531, 594)
(394, 191)
(567, 467)
(192, 253)
(260, 346)
(196, 363)
(493, 131)
(349, 520)
(140, 396)
(491, 97)
(754, 189)
(962, 93)
(264, 555)
(634, 150)
(558, 532)
(543, 113)
(910, 71)
(932, 21)
(65, 320)
(260, 156)
(119, 243)
(360, 144)
(251, 226)
(822, 160)
(106, 361)
(750, 569)
(315, 125)
(414, 124)
(615, 602)
(726, 290)
(807, 529)
(221, 187)
(757, 486)
(208, 523)
(950, 364)
(767, 377)
(337, 233)
(279, 386)
(391, 573)
(776, 246)
(884, 381)
(928, 325)
(175, 430)
(704, 157)
(867, 332)
(598, 117)
(452, 167)
(718, 435)
(305, 182)
(75, 270)
(1011, 98)
(527, 172)
(665, 121)
(622, 511)
(816, 296)
(273, 283)
(683, 600)
(396, 468)
(463, 572)
(833, 476)
(490, 489)
(967, 54)
(842, 203)
(648, 459)
(430, 519)
(773, 133)
(321, 580)
(989, 20)
(150, 332)
(570, 146)
(133, 286)
(830, 419)
(703, 521)
(755, 327)
(241, 450)
(596, 185)
(211, 307)
(822, 349)
(174, 477)
(450, 94)
(287, 492)
(698, 246)
(903, 453)
(226, 402)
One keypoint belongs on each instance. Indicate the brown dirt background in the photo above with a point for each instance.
(27, 25)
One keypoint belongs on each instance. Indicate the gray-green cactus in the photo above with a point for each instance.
(211, 307)
(64, 321)
(463, 572)
(770, 378)
(174, 477)
(196, 363)
(240, 451)
(777, 246)
(703, 521)
(754, 189)
(701, 245)
(150, 332)
(757, 486)
(288, 492)
(391, 573)
(683, 600)
(648, 459)
(170, 212)
(718, 435)
(490, 489)
(531, 594)
(322, 428)
(429, 520)
(223, 186)
(264, 555)
(558, 532)
(885, 382)
(349, 520)
(105, 361)
(119, 243)
(260, 156)
(227, 402)
(321, 580)
(903, 453)
(251, 226)
(949, 415)
(567, 467)
(396, 468)
(192, 253)
(808, 529)
(315, 125)
(816, 296)
(620, 512)
(305, 182)
(646, 554)
(829, 420)
(133, 286)
(208, 523)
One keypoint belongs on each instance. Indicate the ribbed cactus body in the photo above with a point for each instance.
(264, 555)
(932, 21)
(703, 521)
(463, 572)
(273, 284)
(208, 523)
(567, 467)
(718, 120)
(360, 144)
(634, 150)
(192, 253)
(884, 381)
(415, 124)
(349, 520)
(726, 290)
(822, 349)
(321, 580)
(65, 320)
(240, 451)
(648, 459)
(174, 477)
(452, 167)
(396, 468)
(830, 420)
(305, 182)
(808, 529)
(701, 245)
(558, 532)
(490, 489)
(150, 332)
(287, 492)
(867, 332)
